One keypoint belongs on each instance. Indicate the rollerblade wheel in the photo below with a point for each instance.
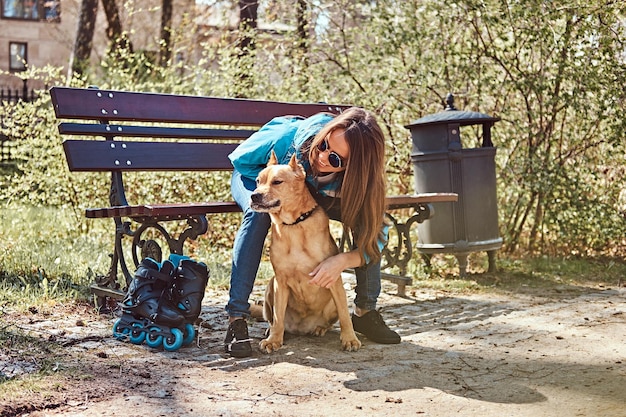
(154, 338)
(189, 333)
(174, 341)
(137, 335)
(120, 332)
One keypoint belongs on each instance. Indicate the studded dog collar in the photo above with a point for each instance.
(302, 217)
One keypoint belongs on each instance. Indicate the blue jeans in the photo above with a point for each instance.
(248, 249)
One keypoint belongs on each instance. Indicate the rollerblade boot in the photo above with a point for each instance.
(188, 288)
(187, 291)
(147, 296)
(148, 312)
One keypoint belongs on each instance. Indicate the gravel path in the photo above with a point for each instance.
(556, 353)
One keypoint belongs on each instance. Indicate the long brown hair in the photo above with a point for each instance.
(363, 187)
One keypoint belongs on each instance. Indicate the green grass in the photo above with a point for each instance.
(53, 254)
(45, 256)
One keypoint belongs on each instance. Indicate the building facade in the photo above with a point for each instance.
(35, 32)
(42, 32)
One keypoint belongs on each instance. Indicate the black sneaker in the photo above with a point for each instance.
(237, 340)
(374, 328)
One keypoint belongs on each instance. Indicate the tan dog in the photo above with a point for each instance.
(300, 241)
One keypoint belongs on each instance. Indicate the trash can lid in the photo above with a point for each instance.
(451, 114)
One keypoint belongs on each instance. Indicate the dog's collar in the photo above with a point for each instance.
(302, 217)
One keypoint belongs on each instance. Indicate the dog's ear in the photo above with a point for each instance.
(293, 162)
(296, 166)
(273, 160)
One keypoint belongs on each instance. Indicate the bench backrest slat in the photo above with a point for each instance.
(103, 155)
(95, 104)
(104, 130)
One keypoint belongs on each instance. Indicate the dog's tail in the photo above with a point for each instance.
(256, 311)
(268, 307)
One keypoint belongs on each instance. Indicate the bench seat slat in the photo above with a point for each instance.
(109, 130)
(184, 210)
(407, 201)
(108, 155)
(164, 211)
(95, 104)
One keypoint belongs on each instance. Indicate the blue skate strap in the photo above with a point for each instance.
(159, 274)
(176, 259)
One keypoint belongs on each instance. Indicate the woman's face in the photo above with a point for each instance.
(334, 149)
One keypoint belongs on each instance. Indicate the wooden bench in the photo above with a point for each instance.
(122, 131)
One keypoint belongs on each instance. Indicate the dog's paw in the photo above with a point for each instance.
(350, 344)
(320, 331)
(268, 346)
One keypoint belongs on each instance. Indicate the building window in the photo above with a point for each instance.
(18, 56)
(47, 10)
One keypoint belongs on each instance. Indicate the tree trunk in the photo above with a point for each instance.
(247, 24)
(303, 23)
(84, 37)
(300, 53)
(165, 52)
(248, 16)
(114, 28)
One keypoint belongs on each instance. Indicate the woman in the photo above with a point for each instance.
(344, 160)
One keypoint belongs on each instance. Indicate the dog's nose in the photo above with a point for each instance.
(256, 197)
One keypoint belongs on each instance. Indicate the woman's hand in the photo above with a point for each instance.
(329, 270)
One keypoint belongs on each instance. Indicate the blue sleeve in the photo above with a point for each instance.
(385, 237)
(252, 155)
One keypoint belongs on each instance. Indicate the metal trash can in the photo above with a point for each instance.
(441, 164)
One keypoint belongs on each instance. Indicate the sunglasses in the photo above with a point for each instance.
(333, 158)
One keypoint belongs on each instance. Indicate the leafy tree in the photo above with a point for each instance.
(559, 72)
(553, 71)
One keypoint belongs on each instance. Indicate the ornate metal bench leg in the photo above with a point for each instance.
(198, 225)
(123, 230)
(101, 305)
(151, 249)
(141, 248)
(110, 278)
(105, 283)
(107, 286)
(148, 248)
(398, 252)
(401, 289)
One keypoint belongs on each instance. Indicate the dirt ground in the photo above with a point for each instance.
(549, 352)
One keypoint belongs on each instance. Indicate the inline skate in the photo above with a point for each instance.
(187, 291)
(162, 302)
